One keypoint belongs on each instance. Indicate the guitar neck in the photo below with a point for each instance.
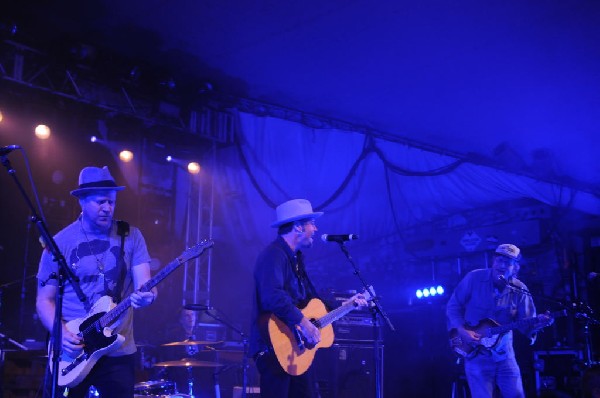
(510, 326)
(522, 323)
(335, 314)
(116, 312)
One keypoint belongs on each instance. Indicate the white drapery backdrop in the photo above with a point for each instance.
(368, 186)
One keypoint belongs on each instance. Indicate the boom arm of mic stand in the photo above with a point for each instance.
(375, 309)
(369, 288)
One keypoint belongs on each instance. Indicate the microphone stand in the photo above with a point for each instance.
(375, 309)
(584, 313)
(64, 273)
(245, 343)
(580, 310)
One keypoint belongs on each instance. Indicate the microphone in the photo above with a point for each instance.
(5, 150)
(338, 238)
(508, 282)
(512, 286)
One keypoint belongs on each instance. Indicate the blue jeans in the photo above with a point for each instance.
(483, 374)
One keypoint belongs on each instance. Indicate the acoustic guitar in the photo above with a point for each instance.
(293, 353)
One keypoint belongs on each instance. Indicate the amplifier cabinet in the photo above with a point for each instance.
(23, 373)
(360, 329)
(559, 370)
(347, 371)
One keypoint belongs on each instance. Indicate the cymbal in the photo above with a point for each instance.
(191, 342)
(188, 363)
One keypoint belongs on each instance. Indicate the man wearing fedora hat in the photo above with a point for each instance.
(281, 288)
(493, 293)
(110, 259)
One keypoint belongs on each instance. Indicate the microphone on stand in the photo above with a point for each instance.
(338, 238)
(512, 286)
(5, 150)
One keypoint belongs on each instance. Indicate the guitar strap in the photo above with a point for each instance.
(304, 276)
(122, 231)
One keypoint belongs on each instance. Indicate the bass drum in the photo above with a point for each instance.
(154, 388)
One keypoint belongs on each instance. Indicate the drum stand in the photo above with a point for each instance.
(206, 309)
(190, 381)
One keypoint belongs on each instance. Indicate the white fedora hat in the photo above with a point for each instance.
(294, 210)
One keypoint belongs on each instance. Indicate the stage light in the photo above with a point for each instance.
(126, 156)
(93, 138)
(193, 168)
(431, 291)
(1, 116)
(42, 131)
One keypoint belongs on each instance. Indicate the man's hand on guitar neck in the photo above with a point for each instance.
(543, 320)
(142, 299)
(310, 332)
(359, 300)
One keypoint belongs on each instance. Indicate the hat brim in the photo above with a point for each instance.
(278, 223)
(508, 256)
(82, 191)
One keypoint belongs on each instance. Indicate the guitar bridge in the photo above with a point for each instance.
(74, 364)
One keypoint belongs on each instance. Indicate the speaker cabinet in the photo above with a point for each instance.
(347, 371)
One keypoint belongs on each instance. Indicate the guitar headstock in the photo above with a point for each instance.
(196, 250)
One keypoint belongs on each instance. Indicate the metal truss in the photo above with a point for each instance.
(25, 67)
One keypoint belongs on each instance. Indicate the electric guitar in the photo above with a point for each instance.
(293, 353)
(94, 328)
(491, 332)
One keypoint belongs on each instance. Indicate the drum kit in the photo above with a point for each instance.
(165, 388)
(206, 360)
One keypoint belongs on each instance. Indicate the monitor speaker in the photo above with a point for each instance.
(347, 370)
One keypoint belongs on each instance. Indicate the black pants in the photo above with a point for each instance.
(113, 377)
(276, 383)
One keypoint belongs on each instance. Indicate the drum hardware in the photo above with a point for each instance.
(189, 364)
(191, 342)
(155, 388)
(214, 315)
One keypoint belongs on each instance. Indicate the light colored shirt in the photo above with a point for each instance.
(476, 298)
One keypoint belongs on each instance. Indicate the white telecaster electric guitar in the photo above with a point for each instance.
(95, 330)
